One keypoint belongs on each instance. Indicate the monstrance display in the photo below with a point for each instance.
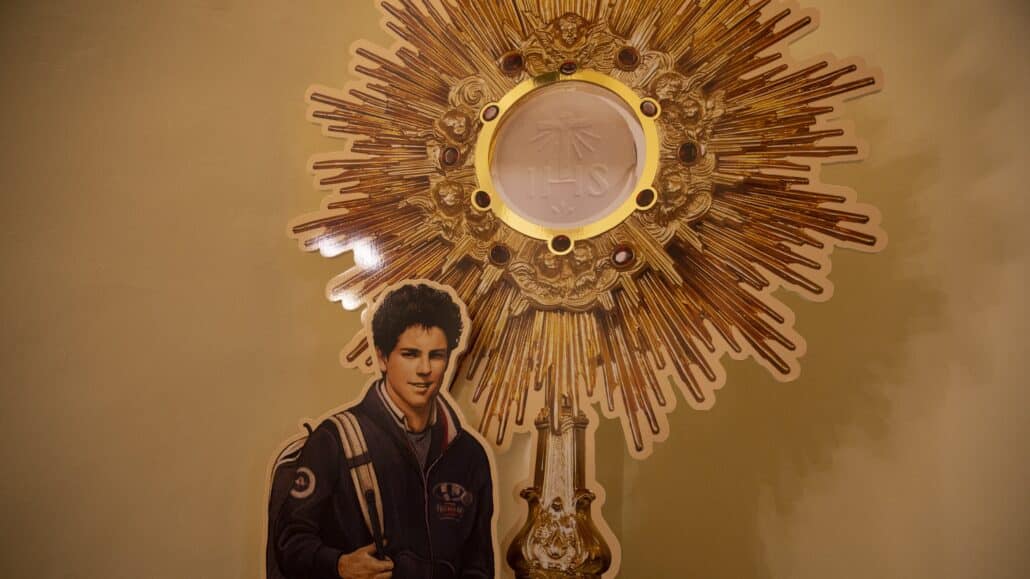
(615, 188)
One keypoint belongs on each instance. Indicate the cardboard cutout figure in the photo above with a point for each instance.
(392, 485)
(618, 190)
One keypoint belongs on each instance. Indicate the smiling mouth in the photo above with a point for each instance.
(421, 385)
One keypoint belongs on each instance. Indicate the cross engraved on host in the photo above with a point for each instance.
(567, 155)
(569, 144)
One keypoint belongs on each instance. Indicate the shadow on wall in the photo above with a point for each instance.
(703, 486)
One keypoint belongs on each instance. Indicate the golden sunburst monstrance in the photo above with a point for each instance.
(626, 305)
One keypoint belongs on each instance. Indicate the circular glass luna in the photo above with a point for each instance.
(567, 155)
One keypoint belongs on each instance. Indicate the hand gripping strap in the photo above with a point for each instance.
(362, 472)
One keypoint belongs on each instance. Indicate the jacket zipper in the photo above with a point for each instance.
(425, 495)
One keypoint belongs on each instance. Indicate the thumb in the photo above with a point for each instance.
(369, 548)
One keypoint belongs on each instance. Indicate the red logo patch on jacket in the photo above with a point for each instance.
(451, 500)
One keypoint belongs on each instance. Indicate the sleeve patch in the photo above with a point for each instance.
(303, 484)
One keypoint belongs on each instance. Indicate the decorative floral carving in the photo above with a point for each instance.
(571, 38)
(451, 197)
(559, 539)
(456, 129)
(448, 209)
(468, 92)
(570, 280)
(481, 224)
(553, 539)
(457, 126)
(687, 111)
(684, 195)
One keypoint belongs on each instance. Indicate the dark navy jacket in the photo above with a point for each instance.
(436, 522)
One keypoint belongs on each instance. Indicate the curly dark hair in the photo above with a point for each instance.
(415, 305)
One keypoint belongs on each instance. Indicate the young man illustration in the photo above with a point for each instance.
(414, 498)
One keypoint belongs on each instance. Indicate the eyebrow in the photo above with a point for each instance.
(417, 350)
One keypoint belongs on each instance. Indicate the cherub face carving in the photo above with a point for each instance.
(570, 28)
(449, 197)
(456, 125)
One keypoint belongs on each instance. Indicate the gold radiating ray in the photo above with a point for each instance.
(700, 287)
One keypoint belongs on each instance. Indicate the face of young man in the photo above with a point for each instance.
(414, 371)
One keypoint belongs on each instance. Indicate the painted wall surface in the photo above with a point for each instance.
(162, 335)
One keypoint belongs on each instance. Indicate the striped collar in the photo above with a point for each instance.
(397, 414)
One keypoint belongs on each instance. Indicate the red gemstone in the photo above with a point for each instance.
(512, 63)
(561, 243)
(500, 254)
(628, 58)
(450, 156)
(688, 152)
(623, 256)
(645, 198)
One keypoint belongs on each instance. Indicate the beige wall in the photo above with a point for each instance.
(162, 336)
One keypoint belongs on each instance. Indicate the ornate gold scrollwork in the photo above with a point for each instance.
(570, 38)
(732, 210)
(559, 539)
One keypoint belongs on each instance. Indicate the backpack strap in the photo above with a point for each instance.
(363, 474)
